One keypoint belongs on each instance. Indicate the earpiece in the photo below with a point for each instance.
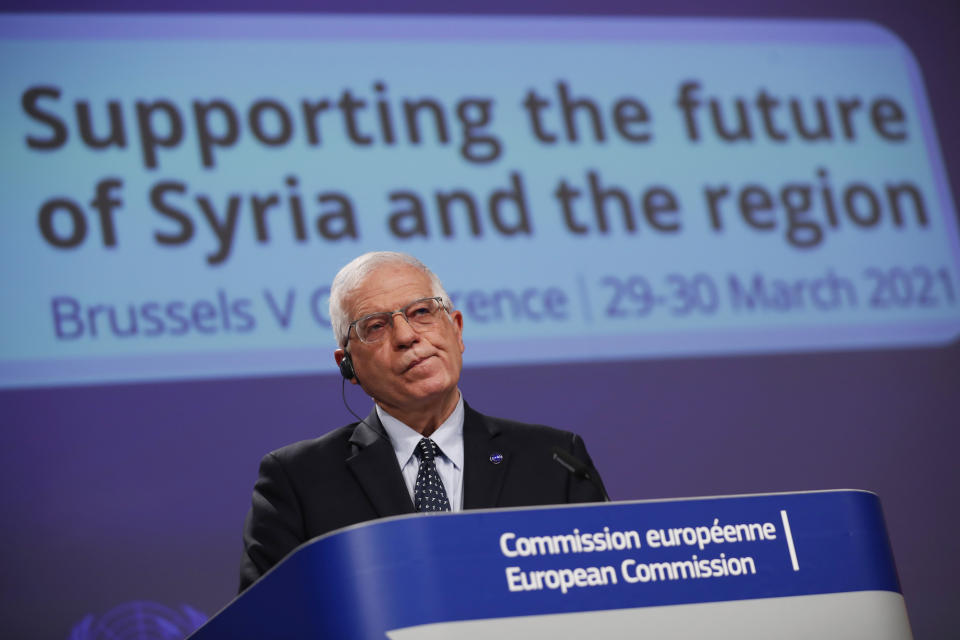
(346, 367)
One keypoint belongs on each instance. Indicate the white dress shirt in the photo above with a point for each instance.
(448, 436)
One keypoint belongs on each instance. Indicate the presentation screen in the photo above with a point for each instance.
(602, 188)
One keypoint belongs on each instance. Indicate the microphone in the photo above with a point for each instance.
(579, 469)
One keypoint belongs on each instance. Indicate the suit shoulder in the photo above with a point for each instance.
(528, 431)
(335, 444)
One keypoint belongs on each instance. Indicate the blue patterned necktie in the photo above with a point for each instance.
(428, 492)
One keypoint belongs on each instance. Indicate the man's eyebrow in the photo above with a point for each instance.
(363, 314)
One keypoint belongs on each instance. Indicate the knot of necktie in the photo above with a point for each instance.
(427, 450)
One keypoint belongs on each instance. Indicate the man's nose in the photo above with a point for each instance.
(403, 332)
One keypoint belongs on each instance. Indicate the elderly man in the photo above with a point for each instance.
(421, 448)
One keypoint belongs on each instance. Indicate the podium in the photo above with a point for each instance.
(789, 565)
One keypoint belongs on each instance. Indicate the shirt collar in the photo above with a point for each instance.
(448, 436)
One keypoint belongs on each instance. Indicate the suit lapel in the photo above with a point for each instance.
(482, 479)
(374, 464)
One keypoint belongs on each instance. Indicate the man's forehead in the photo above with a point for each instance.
(387, 288)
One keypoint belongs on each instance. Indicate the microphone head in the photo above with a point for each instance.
(570, 463)
(579, 469)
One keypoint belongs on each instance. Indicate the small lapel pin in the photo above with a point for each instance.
(496, 458)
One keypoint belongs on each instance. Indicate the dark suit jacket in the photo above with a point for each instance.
(351, 475)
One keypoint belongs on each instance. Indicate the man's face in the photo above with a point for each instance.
(409, 370)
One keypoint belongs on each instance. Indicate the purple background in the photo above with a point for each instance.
(128, 492)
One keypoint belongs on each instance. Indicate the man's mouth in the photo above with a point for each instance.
(416, 363)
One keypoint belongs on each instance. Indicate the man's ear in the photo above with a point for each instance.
(456, 317)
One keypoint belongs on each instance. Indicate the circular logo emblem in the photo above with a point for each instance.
(139, 621)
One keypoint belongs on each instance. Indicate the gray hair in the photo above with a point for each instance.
(356, 271)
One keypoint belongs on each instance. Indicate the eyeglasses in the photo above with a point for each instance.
(419, 314)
